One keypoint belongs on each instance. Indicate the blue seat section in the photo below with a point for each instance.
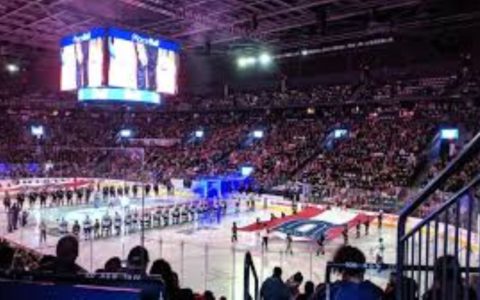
(45, 291)
(146, 287)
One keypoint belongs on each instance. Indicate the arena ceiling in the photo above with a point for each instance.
(223, 24)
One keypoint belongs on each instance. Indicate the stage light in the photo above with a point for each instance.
(125, 133)
(340, 133)
(265, 59)
(449, 134)
(258, 134)
(12, 68)
(304, 52)
(37, 131)
(310, 111)
(199, 134)
(246, 170)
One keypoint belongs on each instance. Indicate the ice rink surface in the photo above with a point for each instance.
(202, 252)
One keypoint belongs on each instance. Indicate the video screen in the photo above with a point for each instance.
(141, 62)
(82, 59)
(118, 94)
(449, 134)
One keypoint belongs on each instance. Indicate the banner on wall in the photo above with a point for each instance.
(152, 142)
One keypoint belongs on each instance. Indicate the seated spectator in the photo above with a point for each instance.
(6, 256)
(137, 260)
(162, 267)
(409, 288)
(208, 295)
(273, 288)
(293, 284)
(113, 265)
(446, 275)
(64, 262)
(308, 291)
(352, 285)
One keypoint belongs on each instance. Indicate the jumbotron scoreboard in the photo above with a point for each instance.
(114, 64)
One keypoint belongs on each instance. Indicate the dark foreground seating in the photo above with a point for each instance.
(19, 290)
(27, 286)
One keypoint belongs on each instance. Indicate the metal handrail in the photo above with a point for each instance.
(465, 156)
(443, 207)
(249, 266)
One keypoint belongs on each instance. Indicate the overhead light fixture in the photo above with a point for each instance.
(125, 133)
(12, 68)
(37, 131)
(258, 134)
(242, 62)
(246, 170)
(199, 134)
(265, 59)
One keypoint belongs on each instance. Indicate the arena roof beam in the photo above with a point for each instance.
(28, 40)
(16, 10)
(296, 23)
(209, 20)
(306, 5)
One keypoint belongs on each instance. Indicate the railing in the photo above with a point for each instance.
(248, 267)
(444, 242)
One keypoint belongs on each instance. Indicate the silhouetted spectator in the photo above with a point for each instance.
(138, 260)
(308, 291)
(352, 286)
(208, 295)
(408, 285)
(447, 281)
(64, 263)
(293, 284)
(6, 256)
(273, 288)
(113, 265)
(162, 267)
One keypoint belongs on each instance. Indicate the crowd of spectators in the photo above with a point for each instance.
(383, 147)
(350, 266)
(16, 259)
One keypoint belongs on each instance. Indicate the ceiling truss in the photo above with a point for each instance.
(280, 24)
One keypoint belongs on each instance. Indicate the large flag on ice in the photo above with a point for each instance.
(330, 223)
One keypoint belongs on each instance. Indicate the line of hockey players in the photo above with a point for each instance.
(54, 196)
(133, 220)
